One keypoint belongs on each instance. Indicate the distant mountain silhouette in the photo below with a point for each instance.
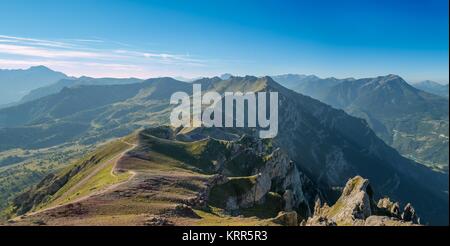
(16, 83)
(433, 87)
(71, 82)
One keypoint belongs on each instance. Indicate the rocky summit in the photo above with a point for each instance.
(356, 206)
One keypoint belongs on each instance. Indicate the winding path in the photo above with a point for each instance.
(100, 167)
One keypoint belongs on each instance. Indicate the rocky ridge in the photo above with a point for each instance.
(356, 206)
(252, 171)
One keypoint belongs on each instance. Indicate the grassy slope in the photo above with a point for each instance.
(196, 156)
(53, 187)
(31, 166)
(102, 179)
(189, 159)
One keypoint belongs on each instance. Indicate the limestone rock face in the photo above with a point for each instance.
(357, 207)
(389, 208)
(257, 192)
(288, 198)
(409, 214)
(281, 170)
(253, 169)
(278, 170)
(355, 201)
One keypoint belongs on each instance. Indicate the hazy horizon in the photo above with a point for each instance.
(162, 38)
(191, 79)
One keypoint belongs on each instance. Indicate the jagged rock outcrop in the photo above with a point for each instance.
(409, 214)
(356, 206)
(389, 208)
(245, 172)
(267, 169)
(282, 171)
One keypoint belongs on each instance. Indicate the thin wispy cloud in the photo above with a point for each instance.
(33, 41)
(162, 57)
(87, 40)
(46, 53)
(93, 69)
(76, 55)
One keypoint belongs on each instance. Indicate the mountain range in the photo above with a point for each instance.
(86, 113)
(411, 120)
(72, 82)
(16, 83)
(327, 146)
(433, 88)
(159, 176)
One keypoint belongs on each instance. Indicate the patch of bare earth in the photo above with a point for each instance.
(150, 197)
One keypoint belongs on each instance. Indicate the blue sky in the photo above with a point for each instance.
(205, 38)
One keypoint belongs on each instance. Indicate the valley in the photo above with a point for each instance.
(412, 121)
(122, 166)
(190, 188)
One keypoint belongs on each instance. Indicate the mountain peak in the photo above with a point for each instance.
(433, 88)
(429, 83)
(389, 80)
(246, 78)
(356, 206)
(226, 76)
(18, 82)
(392, 77)
(45, 70)
(40, 68)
